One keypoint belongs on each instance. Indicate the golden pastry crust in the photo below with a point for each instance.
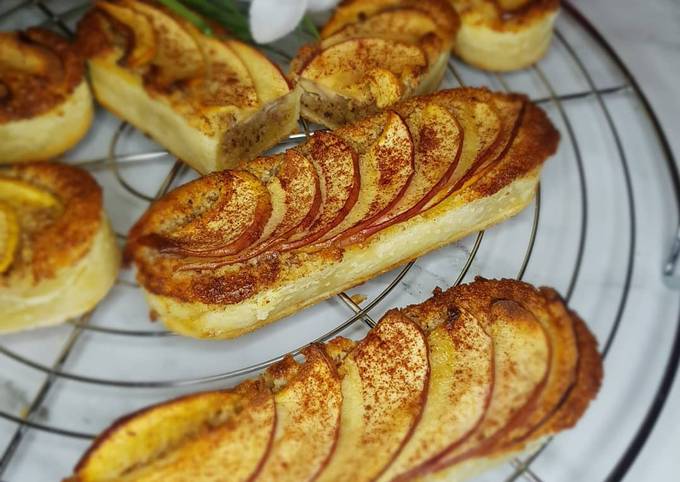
(212, 101)
(228, 296)
(498, 38)
(67, 257)
(350, 410)
(45, 102)
(373, 53)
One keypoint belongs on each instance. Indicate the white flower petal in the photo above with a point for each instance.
(317, 5)
(273, 19)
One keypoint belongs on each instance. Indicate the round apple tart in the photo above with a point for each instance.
(45, 101)
(58, 255)
(503, 35)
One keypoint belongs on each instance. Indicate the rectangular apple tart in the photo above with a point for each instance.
(373, 53)
(447, 388)
(237, 249)
(210, 101)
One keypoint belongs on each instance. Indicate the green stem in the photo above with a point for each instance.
(192, 17)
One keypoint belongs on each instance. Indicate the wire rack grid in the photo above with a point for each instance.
(584, 234)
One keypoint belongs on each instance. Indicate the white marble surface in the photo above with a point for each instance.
(648, 38)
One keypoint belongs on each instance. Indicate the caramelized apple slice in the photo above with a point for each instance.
(144, 40)
(307, 418)
(238, 448)
(384, 381)
(337, 165)
(217, 215)
(510, 5)
(587, 381)
(344, 66)
(22, 57)
(437, 139)
(406, 24)
(510, 109)
(227, 81)
(177, 55)
(386, 170)
(19, 193)
(297, 179)
(460, 386)
(522, 364)
(9, 236)
(151, 435)
(558, 324)
(269, 81)
(481, 127)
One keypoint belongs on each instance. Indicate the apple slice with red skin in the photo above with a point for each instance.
(143, 48)
(522, 364)
(217, 215)
(154, 438)
(460, 387)
(384, 385)
(437, 139)
(482, 126)
(294, 189)
(337, 165)
(308, 417)
(386, 170)
(511, 109)
(177, 55)
(587, 381)
(558, 324)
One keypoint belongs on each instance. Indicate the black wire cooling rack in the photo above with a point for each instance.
(584, 234)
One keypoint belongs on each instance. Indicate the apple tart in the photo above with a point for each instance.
(446, 388)
(373, 53)
(210, 100)
(58, 255)
(45, 101)
(503, 35)
(230, 252)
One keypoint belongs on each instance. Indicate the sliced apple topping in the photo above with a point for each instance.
(26, 58)
(337, 165)
(307, 418)
(220, 215)
(459, 389)
(405, 24)
(347, 66)
(19, 194)
(226, 81)
(437, 140)
(384, 382)
(177, 55)
(522, 364)
(481, 126)
(226, 447)
(510, 5)
(431, 387)
(9, 236)
(143, 48)
(386, 170)
(269, 81)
